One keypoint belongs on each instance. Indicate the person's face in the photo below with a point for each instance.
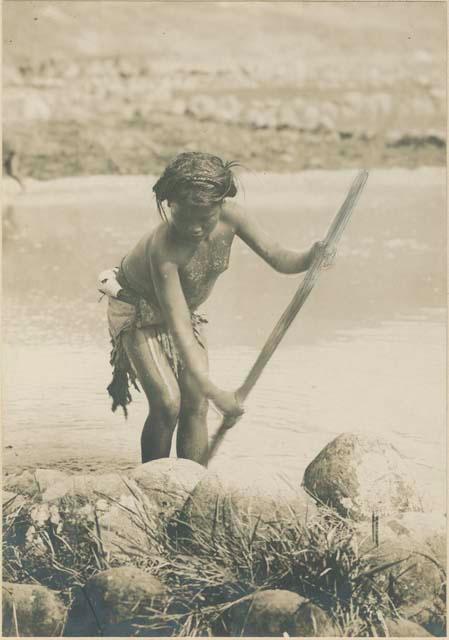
(192, 222)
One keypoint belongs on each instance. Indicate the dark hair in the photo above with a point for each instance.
(196, 178)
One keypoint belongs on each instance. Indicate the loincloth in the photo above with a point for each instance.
(124, 316)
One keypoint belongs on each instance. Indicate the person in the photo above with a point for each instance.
(157, 333)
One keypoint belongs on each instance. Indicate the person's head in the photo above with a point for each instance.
(194, 186)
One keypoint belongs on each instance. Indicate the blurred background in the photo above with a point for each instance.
(98, 96)
(120, 87)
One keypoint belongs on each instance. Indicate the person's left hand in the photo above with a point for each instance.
(320, 249)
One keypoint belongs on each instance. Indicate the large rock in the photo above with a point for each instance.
(248, 500)
(168, 482)
(405, 629)
(31, 610)
(409, 561)
(266, 613)
(357, 475)
(119, 598)
(275, 612)
(26, 104)
(12, 501)
(311, 620)
(106, 485)
(428, 614)
(128, 529)
(32, 483)
(127, 519)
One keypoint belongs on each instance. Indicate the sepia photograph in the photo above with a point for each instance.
(224, 318)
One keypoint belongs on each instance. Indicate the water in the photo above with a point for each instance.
(366, 354)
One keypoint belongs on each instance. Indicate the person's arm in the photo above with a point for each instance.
(177, 316)
(281, 259)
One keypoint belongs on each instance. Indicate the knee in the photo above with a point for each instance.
(166, 408)
(195, 405)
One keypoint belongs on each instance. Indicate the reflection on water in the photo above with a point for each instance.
(366, 354)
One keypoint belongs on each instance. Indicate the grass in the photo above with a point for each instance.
(322, 561)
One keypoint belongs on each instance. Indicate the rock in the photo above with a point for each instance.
(244, 500)
(127, 530)
(127, 518)
(310, 120)
(412, 555)
(21, 104)
(259, 117)
(228, 109)
(287, 117)
(266, 613)
(327, 123)
(275, 612)
(36, 610)
(357, 474)
(405, 629)
(311, 620)
(11, 501)
(168, 482)
(415, 529)
(110, 485)
(202, 107)
(31, 483)
(428, 614)
(118, 596)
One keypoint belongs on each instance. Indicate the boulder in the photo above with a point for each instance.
(127, 529)
(357, 475)
(114, 598)
(12, 501)
(428, 614)
(26, 104)
(31, 610)
(127, 519)
(168, 482)
(36, 482)
(266, 613)
(276, 612)
(405, 629)
(409, 561)
(111, 486)
(248, 500)
(312, 621)
(202, 107)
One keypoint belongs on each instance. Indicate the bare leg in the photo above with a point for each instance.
(192, 441)
(160, 387)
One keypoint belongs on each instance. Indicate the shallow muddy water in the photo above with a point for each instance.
(367, 353)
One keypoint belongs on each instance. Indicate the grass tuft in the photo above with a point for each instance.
(322, 561)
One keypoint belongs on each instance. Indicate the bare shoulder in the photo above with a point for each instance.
(160, 246)
(232, 215)
(165, 252)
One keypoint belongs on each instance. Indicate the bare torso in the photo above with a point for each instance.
(200, 272)
(199, 264)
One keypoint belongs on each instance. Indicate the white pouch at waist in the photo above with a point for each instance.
(108, 284)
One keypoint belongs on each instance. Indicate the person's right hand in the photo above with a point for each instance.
(228, 403)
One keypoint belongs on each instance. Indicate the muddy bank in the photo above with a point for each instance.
(342, 90)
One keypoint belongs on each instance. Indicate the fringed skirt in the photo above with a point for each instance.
(123, 316)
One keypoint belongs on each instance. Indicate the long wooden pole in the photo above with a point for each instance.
(333, 235)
